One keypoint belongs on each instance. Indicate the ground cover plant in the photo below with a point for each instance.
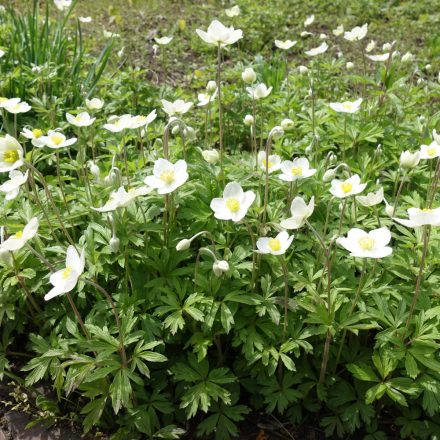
(233, 214)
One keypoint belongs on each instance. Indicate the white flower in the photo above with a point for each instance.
(259, 91)
(82, 119)
(248, 120)
(11, 154)
(370, 46)
(183, 245)
(420, 217)
(220, 267)
(430, 151)
(408, 57)
(116, 124)
(349, 65)
(346, 106)
(300, 213)
(219, 34)
(372, 198)
(65, 280)
(248, 75)
(386, 47)
(317, 50)
(211, 156)
(19, 239)
(381, 57)
(55, 140)
(206, 98)
(297, 169)
(141, 121)
(338, 31)
(273, 164)
(211, 87)
(62, 5)
(35, 135)
(5, 102)
(436, 136)
(17, 107)
(409, 160)
(163, 40)
(94, 104)
(122, 198)
(346, 188)
(12, 186)
(363, 244)
(285, 45)
(287, 124)
(303, 70)
(85, 19)
(109, 34)
(309, 20)
(330, 174)
(2, 53)
(274, 246)
(305, 34)
(178, 107)
(167, 176)
(233, 12)
(234, 204)
(357, 33)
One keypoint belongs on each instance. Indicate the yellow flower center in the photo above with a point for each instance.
(66, 272)
(426, 210)
(78, 118)
(57, 139)
(233, 204)
(274, 244)
(167, 176)
(366, 243)
(19, 234)
(269, 165)
(347, 105)
(140, 119)
(10, 156)
(346, 187)
(37, 132)
(3, 99)
(431, 151)
(297, 171)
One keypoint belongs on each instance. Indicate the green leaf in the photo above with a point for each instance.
(363, 372)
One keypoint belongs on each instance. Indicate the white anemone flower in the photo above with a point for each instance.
(17, 107)
(409, 160)
(94, 104)
(12, 186)
(370, 46)
(285, 45)
(141, 121)
(219, 34)
(259, 91)
(62, 5)
(11, 154)
(317, 50)
(35, 136)
(420, 217)
(178, 107)
(357, 33)
(273, 164)
(206, 98)
(55, 140)
(167, 177)
(116, 124)
(274, 246)
(163, 41)
(338, 31)
(65, 280)
(364, 244)
(87, 19)
(309, 20)
(372, 198)
(346, 106)
(346, 188)
(19, 239)
(82, 119)
(122, 198)
(234, 204)
(211, 156)
(380, 57)
(305, 34)
(5, 102)
(300, 213)
(296, 169)
(233, 12)
(430, 151)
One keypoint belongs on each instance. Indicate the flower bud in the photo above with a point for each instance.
(333, 158)
(303, 70)
(329, 175)
(211, 87)
(387, 46)
(408, 57)
(349, 65)
(379, 150)
(183, 245)
(211, 156)
(277, 132)
(175, 130)
(190, 133)
(389, 209)
(428, 67)
(409, 160)
(114, 244)
(395, 54)
(248, 120)
(248, 75)
(219, 267)
(94, 169)
(309, 149)
(6, 258)
(287, 124)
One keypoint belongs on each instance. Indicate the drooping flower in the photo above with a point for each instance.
(430, 151)
(163, 41)
(12, 186)
(409, 160)
(178, 107)
(357, 33)
(122, 198)
(346, 188)
(285, 45)
(234, 204)
(19, 239)
(94, 104)
(218, 34)
(220, 267)
(82, 119)
(167, 177)
(233, 12)
(259, 91)
(300, 213)
(65, 280)
(297, 169)
(364, 244)
(317, 50)
(346, 106)
(420, 217)
(273, 164)
(275, 246)
(56, 139)
(11, 154)
(372, 198)
(35, 136)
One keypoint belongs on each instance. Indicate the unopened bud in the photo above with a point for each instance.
(248, 120)
(114, 244)
(329, 175)
(183, 245)
(220, 267)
